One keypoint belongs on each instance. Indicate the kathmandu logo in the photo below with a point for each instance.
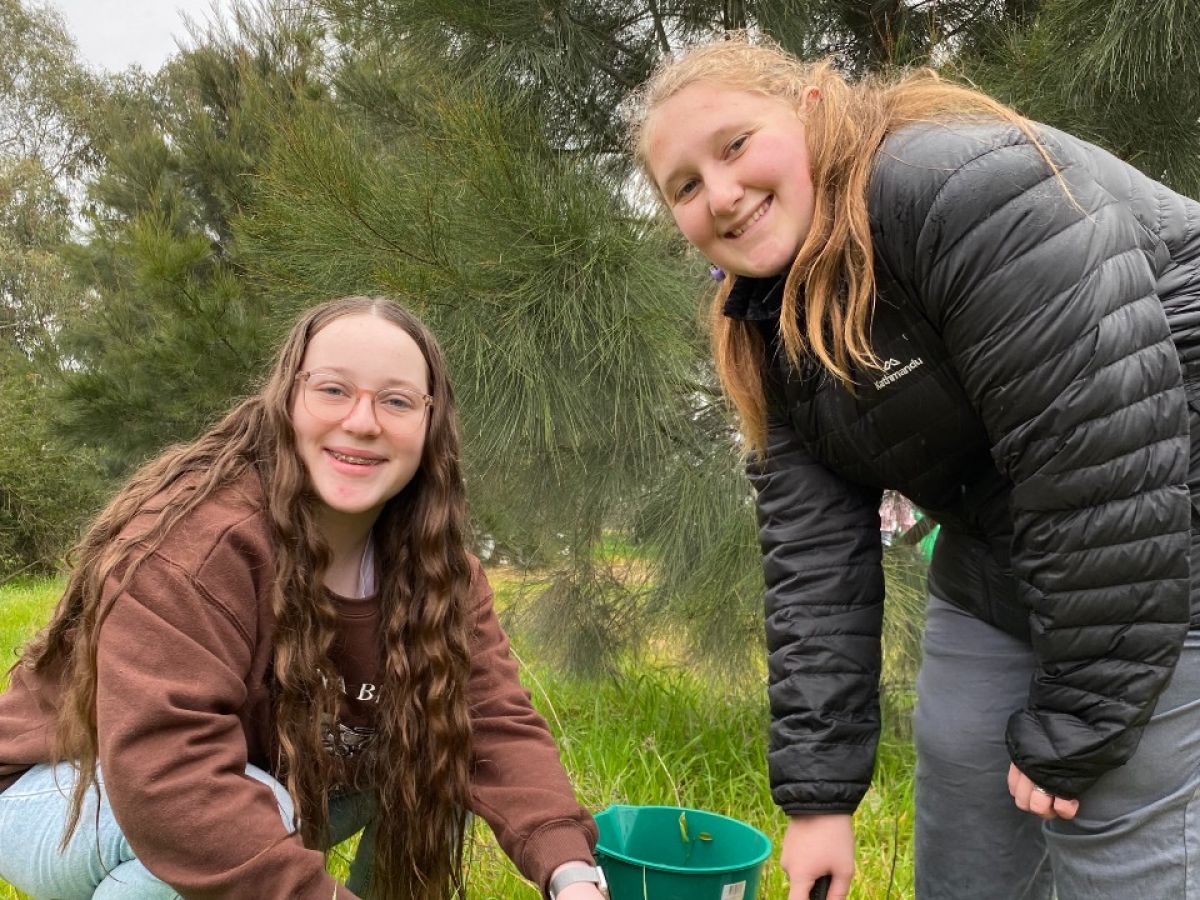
(894, 371)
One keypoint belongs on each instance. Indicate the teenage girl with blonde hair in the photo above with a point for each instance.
(923, 291)
(274, 638)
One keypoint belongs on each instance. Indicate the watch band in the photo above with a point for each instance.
(573, 874)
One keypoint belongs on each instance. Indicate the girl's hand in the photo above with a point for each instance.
(1032, 799)
(818, 845)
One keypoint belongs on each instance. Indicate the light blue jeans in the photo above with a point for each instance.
(1137, 834)
(99, 863)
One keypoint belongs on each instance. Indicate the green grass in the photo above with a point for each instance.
(25, 606)
(655, 736)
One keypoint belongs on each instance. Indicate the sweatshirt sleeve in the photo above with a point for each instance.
(1048, 309)
(172, 663)
(518, 782)
(822, 562)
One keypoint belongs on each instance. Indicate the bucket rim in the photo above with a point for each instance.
(681, 870)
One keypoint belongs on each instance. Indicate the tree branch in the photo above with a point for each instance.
(659, 30)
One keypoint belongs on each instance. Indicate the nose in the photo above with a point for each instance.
(362, 419)
(724, 192)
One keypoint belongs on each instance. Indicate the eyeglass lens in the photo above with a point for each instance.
(332, 398)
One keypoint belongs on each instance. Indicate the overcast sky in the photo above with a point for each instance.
(114, 34)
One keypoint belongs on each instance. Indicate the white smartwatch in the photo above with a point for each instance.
(572, 874)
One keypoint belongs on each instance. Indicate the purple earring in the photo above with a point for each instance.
(716, 273)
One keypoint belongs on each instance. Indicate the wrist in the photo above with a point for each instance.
(576, 880)
(821, 822)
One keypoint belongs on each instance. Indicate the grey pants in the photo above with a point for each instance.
(1137, 834)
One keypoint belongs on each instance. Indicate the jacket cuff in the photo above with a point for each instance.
(554, 844)
(818, 809)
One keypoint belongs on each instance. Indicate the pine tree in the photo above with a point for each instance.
(46, 133)
(178, 328)
(1121, 74)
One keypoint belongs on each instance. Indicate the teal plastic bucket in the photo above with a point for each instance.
(672, 853)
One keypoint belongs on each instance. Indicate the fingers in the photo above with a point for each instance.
(1066, 809)
(1040, 802)
(1033, 799)
(800, 888)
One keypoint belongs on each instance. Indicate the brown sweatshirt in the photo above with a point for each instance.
(182, 706)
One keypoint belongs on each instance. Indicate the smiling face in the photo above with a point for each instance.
(357, 464)
(733, 169)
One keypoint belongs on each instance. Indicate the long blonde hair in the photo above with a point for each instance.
(834, 265)
(420, 761)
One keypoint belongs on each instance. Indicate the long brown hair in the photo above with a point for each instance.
(420, 759)
(834, 265)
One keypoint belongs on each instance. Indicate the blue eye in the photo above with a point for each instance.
(330, 390)
(398, 402)
(736, 144)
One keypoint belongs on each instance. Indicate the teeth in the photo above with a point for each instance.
(758, 214)
(357, 460)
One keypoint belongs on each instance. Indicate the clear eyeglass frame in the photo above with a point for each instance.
(329, 407)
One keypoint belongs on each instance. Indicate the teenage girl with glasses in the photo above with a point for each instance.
(275, 637)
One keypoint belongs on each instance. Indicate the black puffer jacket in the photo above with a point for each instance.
(1031, 401)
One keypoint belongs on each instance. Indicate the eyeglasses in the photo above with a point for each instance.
(331, 398)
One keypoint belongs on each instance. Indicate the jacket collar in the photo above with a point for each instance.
(755, 299)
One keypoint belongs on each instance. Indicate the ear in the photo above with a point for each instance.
(811, 97)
